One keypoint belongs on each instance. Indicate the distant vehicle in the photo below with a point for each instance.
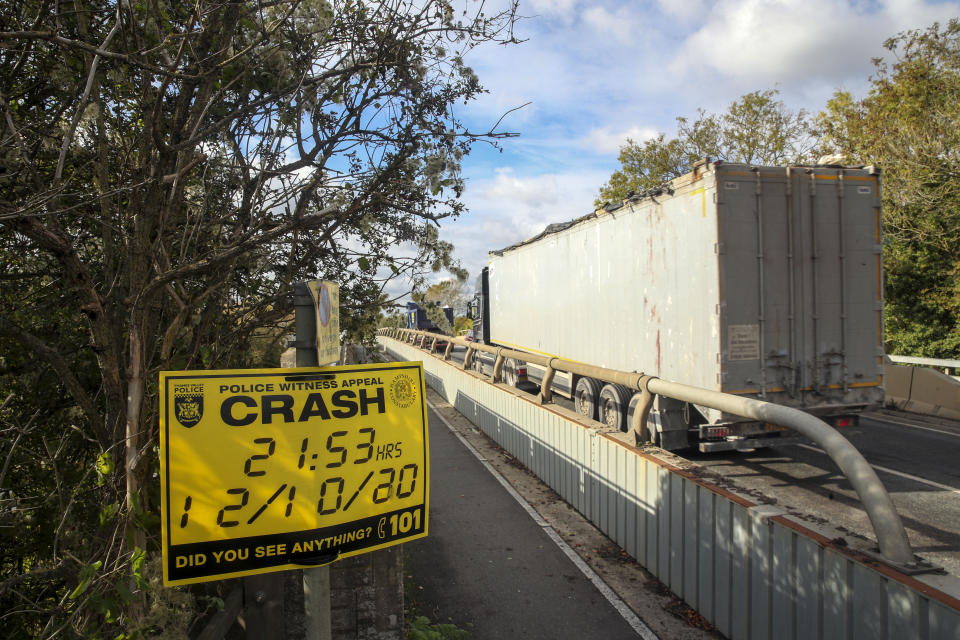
(416, 317)
(763, 282)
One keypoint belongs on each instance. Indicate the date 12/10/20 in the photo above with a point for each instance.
(385, 483)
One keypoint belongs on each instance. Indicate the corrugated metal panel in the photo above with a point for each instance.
(809, 575)
(740, 573)
(746, 572)
(652, 560)
(723, 566)
(761, 572)
(783, 583)
(904, 617)
(706, 550)
(691, 543)
(837, 608)
(943, 622)
(633, 508)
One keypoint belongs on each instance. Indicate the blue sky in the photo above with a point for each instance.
(596, 73)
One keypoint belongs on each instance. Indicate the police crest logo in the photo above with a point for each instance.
(403, 391)
(188, 404)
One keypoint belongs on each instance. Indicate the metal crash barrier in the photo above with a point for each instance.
(888, 527)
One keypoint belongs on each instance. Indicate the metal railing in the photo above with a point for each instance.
(887, 525)
(927, 362)
(949, 367)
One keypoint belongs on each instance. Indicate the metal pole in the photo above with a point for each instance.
(891, 536)
(306, 323)
(316, 582)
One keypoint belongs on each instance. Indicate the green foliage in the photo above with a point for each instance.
(449, 293)
(645, 166)
(422, 629)
(158, 203)
(392, 320)
(756, 129)
(462, 323)
(907, 125)
(434, 313)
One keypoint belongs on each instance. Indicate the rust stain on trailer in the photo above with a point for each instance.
(658, 351)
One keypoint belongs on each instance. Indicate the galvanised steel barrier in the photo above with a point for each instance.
(754, 571)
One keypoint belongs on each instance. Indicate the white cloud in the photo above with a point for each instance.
(623, 23)
(506, 208)
(688, 10)
(537, 192)
(562, 9)
(607, 140)
(770, 41)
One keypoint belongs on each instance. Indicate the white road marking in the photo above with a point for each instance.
(888, 420)
(626, 612)
(894, 472)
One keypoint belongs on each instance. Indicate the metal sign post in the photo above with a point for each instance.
(316, 582)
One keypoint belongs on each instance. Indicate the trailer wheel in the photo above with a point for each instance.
(510, 376)
(585, 397)
(477, 363)
(614, 400)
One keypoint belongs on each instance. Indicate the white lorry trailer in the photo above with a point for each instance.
(764, 282)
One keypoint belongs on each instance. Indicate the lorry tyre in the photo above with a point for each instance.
(613, 403)
(510, 376)
(586, 397)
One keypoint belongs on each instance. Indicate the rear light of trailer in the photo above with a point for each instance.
(844, 421)
(718, 432)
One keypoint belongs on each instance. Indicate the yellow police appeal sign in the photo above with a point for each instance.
(326, 303)
(270, 469)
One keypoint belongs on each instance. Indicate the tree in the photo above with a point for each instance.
(907, 125)
(645, 166)
(462, 323)
(167, 171)
(453, 293)
(756, 129)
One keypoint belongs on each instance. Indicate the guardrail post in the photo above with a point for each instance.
(433, 346)
(468, 358)
(891, 536)
(449, 350)
(497, 375)
(641, 413)
(546, 395)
